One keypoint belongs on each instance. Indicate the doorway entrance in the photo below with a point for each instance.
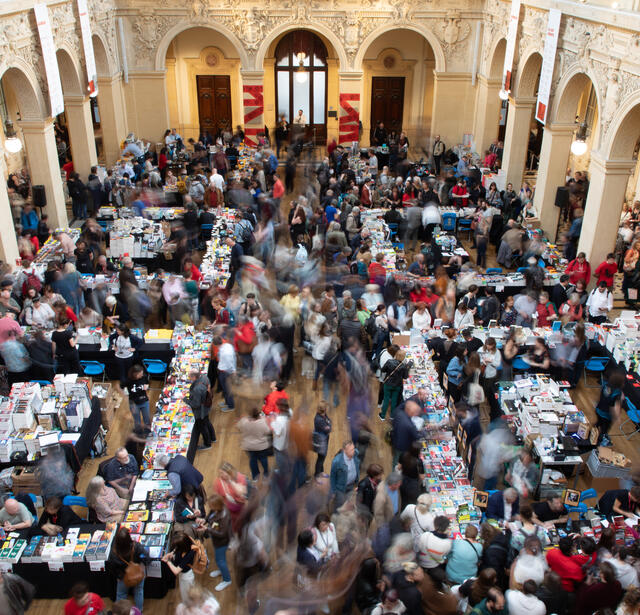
(387, 103)
(214, 103)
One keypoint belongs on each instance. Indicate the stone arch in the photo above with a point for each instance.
(495, 59)
(568, 92)
(621, 138)
(427, 34)
(527, 75)
(71, 75)
(104, 65)
(276, 33)
(24, 85)
(163, 45)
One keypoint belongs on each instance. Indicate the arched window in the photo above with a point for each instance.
(301, 82)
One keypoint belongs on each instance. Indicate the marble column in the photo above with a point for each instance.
(516, 139)
(552, 172)
(112, 116)
(487, 116)
(8, 239)
(40, 146)
(81, 137)
(607, 186)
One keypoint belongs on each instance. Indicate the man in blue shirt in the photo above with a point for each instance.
(273, 163)
(331, 212)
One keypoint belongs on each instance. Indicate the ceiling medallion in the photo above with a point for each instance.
(389, 62)
(211, 59)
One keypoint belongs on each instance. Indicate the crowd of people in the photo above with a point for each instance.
(312, 284)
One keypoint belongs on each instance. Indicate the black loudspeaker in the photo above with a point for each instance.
(39, 196)
(562, 197)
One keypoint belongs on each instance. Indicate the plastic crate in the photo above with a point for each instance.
(604, 470)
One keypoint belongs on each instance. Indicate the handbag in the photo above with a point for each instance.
(475, 394)
(133, 573)
(319, 443)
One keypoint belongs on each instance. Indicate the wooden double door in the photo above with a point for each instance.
(214, 102)
(387, 102)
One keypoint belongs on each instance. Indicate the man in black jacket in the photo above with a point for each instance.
(560, 292)
(406, 583)
(197, 401)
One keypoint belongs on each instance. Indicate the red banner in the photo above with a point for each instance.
(348, 127)
(253, 102)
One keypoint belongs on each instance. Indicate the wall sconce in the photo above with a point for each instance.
(12, 144)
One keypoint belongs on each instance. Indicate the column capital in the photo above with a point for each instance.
(490, 83)
(611, 167)
(561, 129)
(36, 126)
(350, 75)
(75, 101)
(252, 75)
(109, 80)
(523, 101)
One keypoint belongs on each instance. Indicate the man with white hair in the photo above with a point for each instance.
(121, 472)
(15, 516)
(503, 505)
(179, 473)
(353, 225)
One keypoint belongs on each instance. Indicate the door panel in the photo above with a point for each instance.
(214, 102)
(387, 102)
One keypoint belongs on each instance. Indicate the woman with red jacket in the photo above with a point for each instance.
(579, 269)
(271, 400)
(606, 270)
(377, 272)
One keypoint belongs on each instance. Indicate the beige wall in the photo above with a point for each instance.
(453, 107)
(411, 57)
(199, 51)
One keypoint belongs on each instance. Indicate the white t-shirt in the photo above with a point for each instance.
(521, 604)
(625, 573)
(325, 540)
(421, 321)
(433, 550)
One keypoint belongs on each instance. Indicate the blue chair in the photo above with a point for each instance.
(542, 264)
(491, 270)
(393, 230)
(75, 500)
(449, 222)
(521, 269)
(633, 415)
(597, 365)
(588, 494)
(556, 326)
(93, 368)
(464, 224)
(155, 367)
(519, 364)
(581, 508)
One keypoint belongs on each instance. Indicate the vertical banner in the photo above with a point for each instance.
(87, 43)
(49, 57)
(348, 126)
(253, 104)
(548, 64)
(509, 52)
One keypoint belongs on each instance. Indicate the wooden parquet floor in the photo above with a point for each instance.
(228, 449)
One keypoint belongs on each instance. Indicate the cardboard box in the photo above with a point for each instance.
(24, 479)
(609, 456)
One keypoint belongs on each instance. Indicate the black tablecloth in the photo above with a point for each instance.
(52, 585)
(92, 352)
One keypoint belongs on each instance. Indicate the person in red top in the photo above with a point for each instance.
(579, 269)
(606, 270)
(332, 147)
(460, 194)
(35, 242)
(188, 265)
(271, 400)
(245, 340)
(377, 273)
(365, 195)
(545, 310)
(278, 187)
(83, 602)
(563, 562)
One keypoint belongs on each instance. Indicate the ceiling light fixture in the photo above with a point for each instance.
(579, 145)
(301, 73)
(11, 143)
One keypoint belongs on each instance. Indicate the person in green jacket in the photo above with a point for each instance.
(493, 604)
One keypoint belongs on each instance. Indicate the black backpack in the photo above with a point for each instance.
(370, 325)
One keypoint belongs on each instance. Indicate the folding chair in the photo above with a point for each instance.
(93, 368)
(633, 415)
(597, 365)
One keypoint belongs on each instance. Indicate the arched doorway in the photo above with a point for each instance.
(574, 120)
(301, 68)
(203, 83)
(398, 85)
